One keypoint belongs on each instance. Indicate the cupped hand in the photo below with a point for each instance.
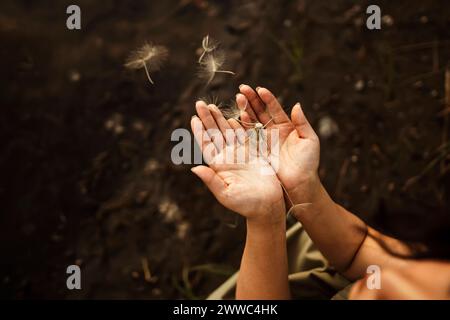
(299, 153)
(241, 182)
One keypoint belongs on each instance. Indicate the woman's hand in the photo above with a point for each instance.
(300, 147)
(244, 181)
(247, 185)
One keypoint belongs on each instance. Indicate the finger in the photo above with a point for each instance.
(207, 147)
(256, 104)
(273, 106)
(234, 124)
(244, 105)
(247, 122)
(212, 180)
(238, 129)
(222, 123)
(301, 124)
(210, 124)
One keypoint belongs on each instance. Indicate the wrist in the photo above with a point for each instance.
(265, 229)
(317, 202)
(272, 215)
(306, 190)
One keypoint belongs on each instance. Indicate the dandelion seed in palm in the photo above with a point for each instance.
(230, 110)
(149, 57)
(212, 64)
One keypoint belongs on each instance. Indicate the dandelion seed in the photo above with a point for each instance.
(115, 124)
(230, 111)
(211, 65)
(149, 57)
(212, 99)
(208, 45)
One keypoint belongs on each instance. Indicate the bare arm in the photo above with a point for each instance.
(340, 235)
(252, 190)
(264, 267)
(344, 239)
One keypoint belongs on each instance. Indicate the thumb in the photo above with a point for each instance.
(300, 122)
(212, 180)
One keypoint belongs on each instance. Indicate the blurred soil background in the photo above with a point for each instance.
(85, 169)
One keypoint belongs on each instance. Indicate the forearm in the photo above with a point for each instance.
(337, 233)
(372, 252)
(264, 267)
(344, 239)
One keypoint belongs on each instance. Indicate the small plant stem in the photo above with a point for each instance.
(224, 71)
(201, 57)
(148, 74)
(267, 123)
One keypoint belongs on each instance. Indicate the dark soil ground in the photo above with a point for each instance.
(85, 168)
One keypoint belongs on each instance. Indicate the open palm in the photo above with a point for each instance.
(300, 148)
(247, 185)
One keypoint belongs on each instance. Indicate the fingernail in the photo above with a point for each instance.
(213, 107)
(240, 86)
(193, 117)
(257, 88)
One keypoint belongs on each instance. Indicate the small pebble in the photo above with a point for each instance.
(151, 166)
(418, 84)
(387, 20)
(56, 237)
(424, 19)
(142, 197)
(138, 125)
(156, 292)
(327, 127)
(74, 76)
(287, 23)
(358, 22)
(359, 85)
(118, 129)
(391, 186)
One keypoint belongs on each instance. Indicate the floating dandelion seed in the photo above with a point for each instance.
(211, 65)
(149, 57)
(208, 45)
